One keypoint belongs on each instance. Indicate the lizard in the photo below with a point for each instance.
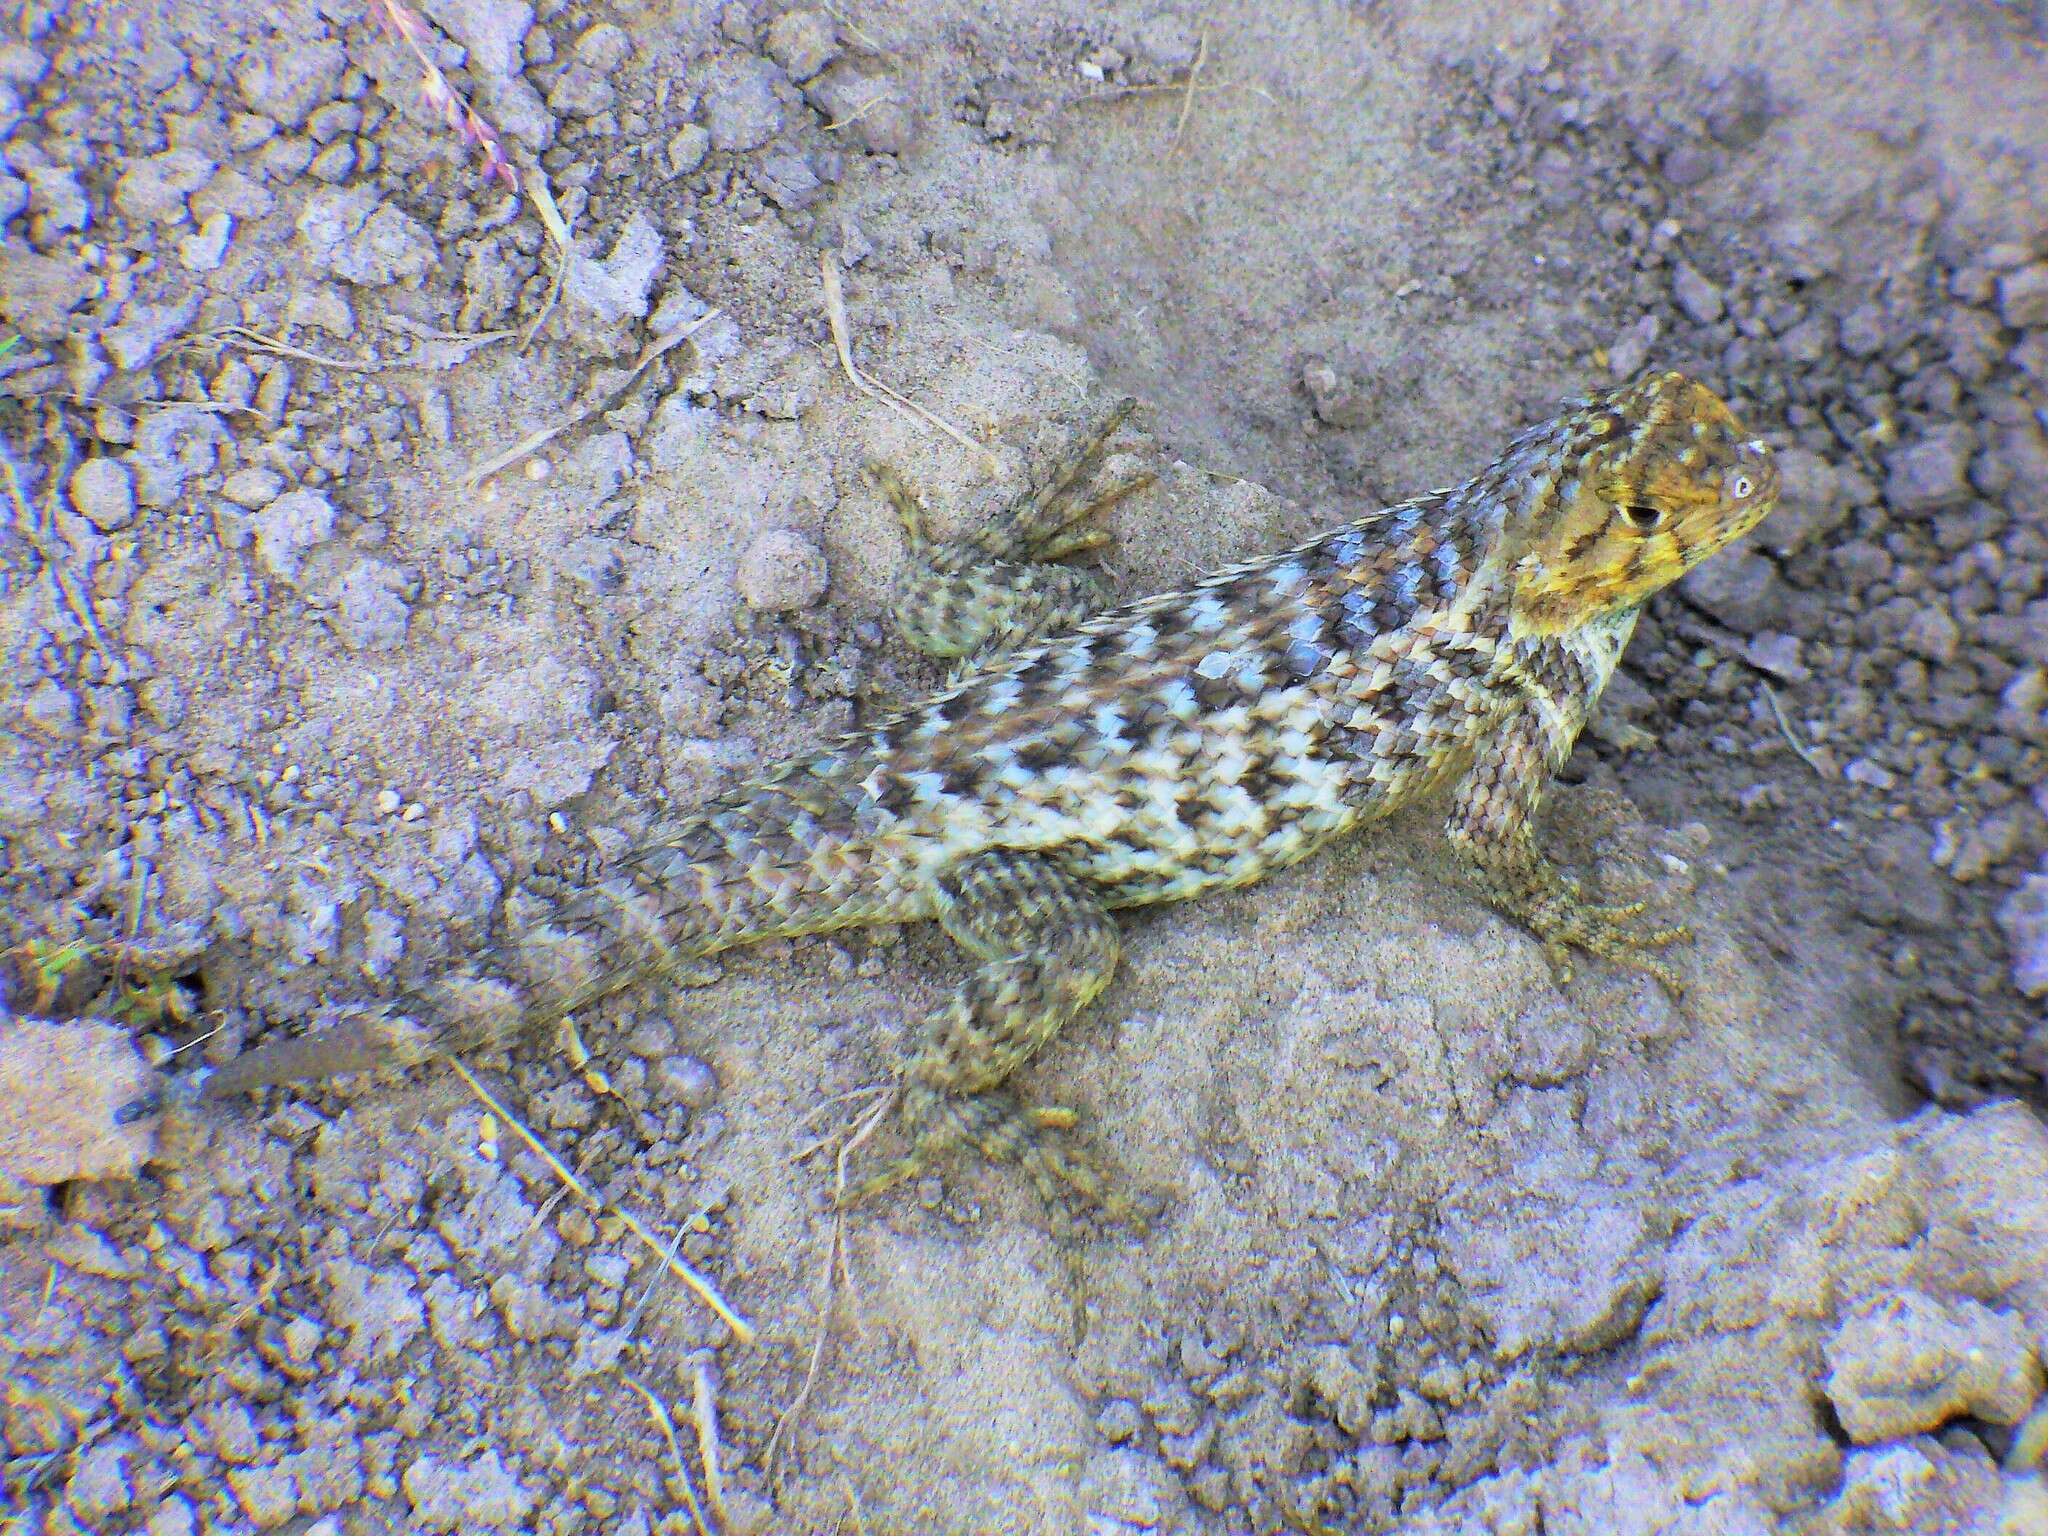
(1088, 757)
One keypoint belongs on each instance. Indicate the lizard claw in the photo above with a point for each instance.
(1567, 922)
(1003, 1131)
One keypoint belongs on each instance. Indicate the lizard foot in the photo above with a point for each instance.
(1565, 921)
(1003, 1131)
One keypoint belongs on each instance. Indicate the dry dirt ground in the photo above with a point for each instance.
(310, 688)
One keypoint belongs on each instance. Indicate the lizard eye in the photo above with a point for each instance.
(1742, 487)
(1643, 519)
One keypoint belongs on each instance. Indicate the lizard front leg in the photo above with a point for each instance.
(1491, 825)
(1045, 947)
(1001, 586)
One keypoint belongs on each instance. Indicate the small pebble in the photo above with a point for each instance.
(687, 1079)
(802, 42)
(104, 494)
(781, 572)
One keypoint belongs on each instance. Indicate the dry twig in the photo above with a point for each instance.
(836, 1270)
(875, 389)
(706, 1292)
(505, 458)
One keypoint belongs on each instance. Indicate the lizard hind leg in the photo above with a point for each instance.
(1001, 586)
(1045, 946)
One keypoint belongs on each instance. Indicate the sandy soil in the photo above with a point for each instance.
(301, 707)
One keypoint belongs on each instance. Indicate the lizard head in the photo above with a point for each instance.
(1649, 480)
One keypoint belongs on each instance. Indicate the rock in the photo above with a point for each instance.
(1932, 634)
(286, 84)
(51, 709)
(1862, 331)
(687, 1079)
(482, 1494)
(1168, 41)
(371, 614)
(56, 198)
(253, 486)
(268, 1495)
(1742, 591)
(1688, 164)
(741, 108)
(618, 287)
(595, 562)
(2023, 917)
(1915, 1488)
(1630, 350)
(1811, 504)
(605, 47)
(2023, 297)
(781, 572)
(1778, 655)
(289, 529)
(99, 1488)
(144, 330)
(174, 445)
(21, 65)
(1336, 397)
(1933, 472)
(1905, 1362)
(870, 108)
(687, 149)
(204, 251)
(64, 1091)
(2023, 706)
(103, 494)
(362, 241)
(153, 190)
(1700, 299)
(802, 42)
(492, 31)
(38, 293)
(787, 179)
(581, 91)
(232, 193)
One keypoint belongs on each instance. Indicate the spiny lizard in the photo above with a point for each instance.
(1080, 764)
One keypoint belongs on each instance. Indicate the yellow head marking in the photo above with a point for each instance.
(1651, 479)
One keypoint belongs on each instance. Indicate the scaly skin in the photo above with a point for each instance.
(1160, 749)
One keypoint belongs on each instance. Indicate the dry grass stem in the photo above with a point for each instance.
(461, 118)
(506, 458)
(704, 1406)
(705, 1291)
(255, 341)
(1800, 749)
(667, 1425)
(875, 389)
(1187, 104)
(838, 1272)
(558, 231)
